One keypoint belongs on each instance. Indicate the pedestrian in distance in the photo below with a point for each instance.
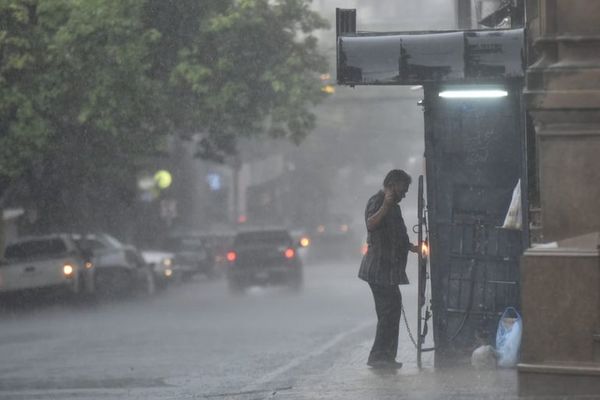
(383, 267)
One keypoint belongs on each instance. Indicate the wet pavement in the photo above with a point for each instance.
(196, 341)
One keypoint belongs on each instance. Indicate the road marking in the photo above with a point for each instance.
(271, 376)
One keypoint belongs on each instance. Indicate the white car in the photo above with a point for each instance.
(120, 269)
(163, 266)
(45, 262)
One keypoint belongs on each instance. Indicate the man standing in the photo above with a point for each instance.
(384, 265)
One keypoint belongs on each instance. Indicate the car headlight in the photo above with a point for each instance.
(167, 262)
(68, 269)
(168, 272)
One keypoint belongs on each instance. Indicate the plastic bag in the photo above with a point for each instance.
(513, 219)
(484, 357)
(508, 338)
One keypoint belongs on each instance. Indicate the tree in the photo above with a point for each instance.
(244, 68)
(85, 105)
(23, 129)
(88, 88)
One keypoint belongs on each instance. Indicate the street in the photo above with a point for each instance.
(195, 341)
(184, 189)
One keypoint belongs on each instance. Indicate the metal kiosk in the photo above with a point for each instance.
(475, 151)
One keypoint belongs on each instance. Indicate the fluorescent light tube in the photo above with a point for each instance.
(473, 94)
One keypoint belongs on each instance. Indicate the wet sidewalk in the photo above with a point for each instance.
(351, 379)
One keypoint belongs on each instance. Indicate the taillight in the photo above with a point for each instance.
(231, 256)
(289, 253)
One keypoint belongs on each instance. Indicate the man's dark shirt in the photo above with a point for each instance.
(388, 244)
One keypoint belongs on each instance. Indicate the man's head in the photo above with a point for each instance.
(398, 182)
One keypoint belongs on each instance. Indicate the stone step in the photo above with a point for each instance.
(559, 379)
(597, 347)
(563, 368)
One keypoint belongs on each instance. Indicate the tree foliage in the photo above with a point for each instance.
(243, 68)
(89, 87)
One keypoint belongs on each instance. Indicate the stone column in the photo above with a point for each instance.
(563, 97)
(559, 287)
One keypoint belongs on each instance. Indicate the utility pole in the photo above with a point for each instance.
(236, 166)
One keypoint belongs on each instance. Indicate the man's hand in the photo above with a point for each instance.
(413, 248)
(389, 198)
(374, 220)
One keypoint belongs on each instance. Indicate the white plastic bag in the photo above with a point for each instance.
(513, 219)
(484, 357)
(508, 338)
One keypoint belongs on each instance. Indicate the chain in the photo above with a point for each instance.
(410, 335)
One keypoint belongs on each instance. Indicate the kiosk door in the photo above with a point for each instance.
(473, 155)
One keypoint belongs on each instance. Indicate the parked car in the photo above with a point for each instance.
(163, 266)
(263, 256)
(192, 254)
(119, 269)
(46, 262)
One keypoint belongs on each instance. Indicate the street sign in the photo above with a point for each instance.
(168, 209)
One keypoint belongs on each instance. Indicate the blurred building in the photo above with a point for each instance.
(359, 136)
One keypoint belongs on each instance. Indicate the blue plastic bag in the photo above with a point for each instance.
(508, 338)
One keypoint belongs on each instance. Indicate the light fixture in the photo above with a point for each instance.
(473, 93)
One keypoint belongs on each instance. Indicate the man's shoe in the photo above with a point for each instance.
(384, 364)
(395, 364)
(378, 364)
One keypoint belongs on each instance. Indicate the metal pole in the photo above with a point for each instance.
(421, 279)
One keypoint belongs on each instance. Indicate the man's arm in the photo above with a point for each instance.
(374, 221)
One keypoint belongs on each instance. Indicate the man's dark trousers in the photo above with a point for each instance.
(388, 305)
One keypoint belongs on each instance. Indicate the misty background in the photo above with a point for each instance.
(360, 134)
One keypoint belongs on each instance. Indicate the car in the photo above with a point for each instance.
(334, 238)
(219, 242)
(119, 269)
(303, 238)
(192, 254)
(163, 266)
(53, 262)
(263, 256)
